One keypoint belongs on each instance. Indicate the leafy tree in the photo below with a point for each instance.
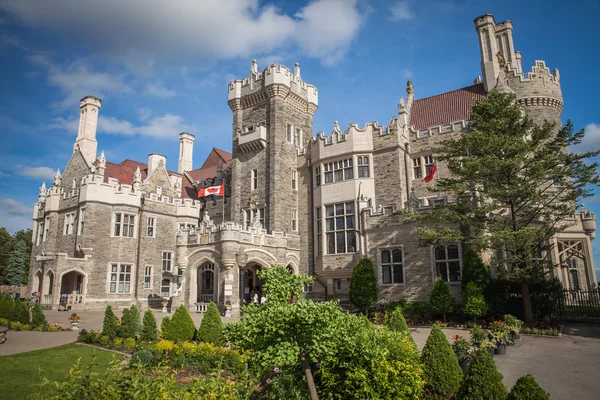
(281, 286)
(474, 270)
(20, 313)
(37, 316)
(109, 325)
(527, 388)
(396, 322)
(180, 328)
(363, 285)
(514, 183)
(149, 330)
(442, 300)
(483, 381)
(441, 370)
(16, 264)
(6, 305)
(211, 327)
(6, 245)
(473, 301)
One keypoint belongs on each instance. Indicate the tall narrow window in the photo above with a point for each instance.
(167, 258)
(81, 220)
(574, 279)
(417, 172)
(288, 132)
(392, 266)
(150, 227)
(329, 173)
(447, 263)
(363, 166)
(40, 233)
(69, 223)
(298, 137)
(294, 179)
(340, 228)
(318, 175)
(428, 164)
(319, 231)
(148, 277)
(47, 228)
(254, 176)
(294, 220)
(165, 288)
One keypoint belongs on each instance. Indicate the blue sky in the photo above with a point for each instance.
(163, 67)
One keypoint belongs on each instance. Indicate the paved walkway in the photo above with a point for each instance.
(21, 342)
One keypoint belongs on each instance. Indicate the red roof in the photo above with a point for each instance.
(209, 168)
(445, 108)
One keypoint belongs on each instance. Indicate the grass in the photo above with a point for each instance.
(19, 373)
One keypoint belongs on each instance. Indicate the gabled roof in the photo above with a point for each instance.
(209, 168)
(445, 108)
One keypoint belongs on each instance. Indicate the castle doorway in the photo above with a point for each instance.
(252, 292)
(206, 282)
(72, 289)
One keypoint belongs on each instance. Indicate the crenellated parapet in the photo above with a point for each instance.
(338, 143)
(274, 80)
(588, 222)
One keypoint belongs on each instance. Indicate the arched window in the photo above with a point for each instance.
(447, 263)
(290, 269)
(392, 266)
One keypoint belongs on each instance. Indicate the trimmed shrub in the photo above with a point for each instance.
(130, 323)
(527, 388)
(20, 313)
(109, 326)
(164, 326)
(37, 316)
(363, 285)
(442, 300)
(473, 301)
(3, 321)
(396, 322)
(474, 270)
(135, 319)
(211, 327)
(441, 370)
(142, 358)
(6, 305)
(181, 327)
(483, 381)
(149, 330)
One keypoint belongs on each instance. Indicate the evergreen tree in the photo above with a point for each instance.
(474, 270)
(109, 325)
(165, 327)
(149, 330)
(483, 381)
(20, 313)
(527, 388)
(514, 182)
(211, 327)
(6, 305)
(442, 300)
(16, 264)
(126, 330)
(37, 316)
(473, 301)
(441, 370)
(136, 321)
(396, 321)
(180, 328)
(363, 285)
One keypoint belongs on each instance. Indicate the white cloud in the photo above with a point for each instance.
(144, 114)
(71, 126)
(78, 79)
(43, 173)
(591, 140)
(400, 10)
(207, 30)
(158, 89)
(13, 207)
(114, 125)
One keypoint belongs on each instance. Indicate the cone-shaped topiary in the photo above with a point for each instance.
(474, 270)
(442, 300)
(164, 326)
(483, 381)
(20, 313)
(6, 305)
(441, 370)
(473, 301)
(37, 316)
(127, 328)
(363, 285)
(211, 327)
(181, 328)
(149, 330)
(527, 388)
(396, 322)
(109, 326)
(135, 319)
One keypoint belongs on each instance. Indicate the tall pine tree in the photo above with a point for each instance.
(16, 264)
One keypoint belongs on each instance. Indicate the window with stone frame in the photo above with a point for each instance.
(69, 223)
(150, 227)
(428, 161)
(318, 175)
(165, 288)
(39, 237)
(81, 221)
(319, 229)
(249, 215)
(46, 229)
(148, 277)
(294, 220)
(392, 266)
(120, 278)
(288, 132)
(337, 285)
(340, 228)
(294, 179)
(298, 137)
(337, 171)
(167, 261)
(417, 171)
(447, 263)
(254, 177)
(124, 225)
(363, 166)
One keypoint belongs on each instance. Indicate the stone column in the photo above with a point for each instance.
(227, 284)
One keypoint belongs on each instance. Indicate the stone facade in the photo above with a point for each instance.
(134, 232)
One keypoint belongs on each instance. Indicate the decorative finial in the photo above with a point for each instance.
(43, 189)
(254, 67)
(56, 181)
(137, 176)
(409, 88)
(297, 71)
(556, 74)
(102, 159)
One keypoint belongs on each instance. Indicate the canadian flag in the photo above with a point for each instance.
(212, 191)
(431, 173)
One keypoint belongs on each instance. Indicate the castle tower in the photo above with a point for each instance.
(272, 122)
(186, 148)
(88, 122)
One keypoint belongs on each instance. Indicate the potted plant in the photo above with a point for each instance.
(514, 327)
(499, 334)
(74, 318)
(489, 346)
(464, 352)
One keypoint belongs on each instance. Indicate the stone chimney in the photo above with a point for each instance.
(154, 161)
(186, 149)
(88, 122)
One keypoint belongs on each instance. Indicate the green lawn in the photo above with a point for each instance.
(19, 373)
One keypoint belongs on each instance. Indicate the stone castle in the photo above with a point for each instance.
(135, 232)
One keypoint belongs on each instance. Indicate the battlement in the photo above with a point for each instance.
(454, 126)
(352, 140)
(274, 74)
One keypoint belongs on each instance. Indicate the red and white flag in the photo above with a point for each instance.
(431, 173)
(212, 191)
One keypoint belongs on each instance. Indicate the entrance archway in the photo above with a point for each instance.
(72, 288)
(252, 283)
(206, 283)
(47, 290)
